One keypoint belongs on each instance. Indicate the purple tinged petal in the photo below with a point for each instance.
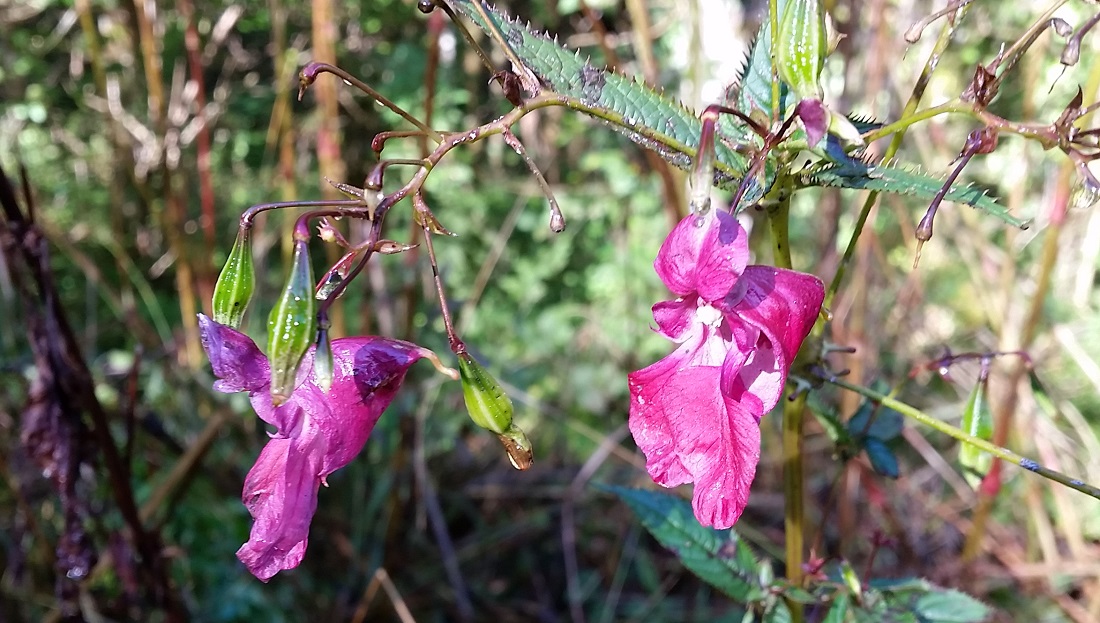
(675, 318)
(704, 255)
(234, 357)
(815, 120)
(782, 305)
(722, 487)
(280, 492)
(316, 432)
(367, 374)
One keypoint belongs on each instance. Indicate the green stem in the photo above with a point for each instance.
(1044, 133)
(794, 515)
(1001, 453)
(899, 126)
(773, 17)
(909, 111)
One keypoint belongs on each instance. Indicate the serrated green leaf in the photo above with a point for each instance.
(853, 173)
(799, 595)
(719, 557)
(885, 425)
(838, 613)
(883, 460)
(778, 613)
(641, 113)
(950, 606)
(754, 85)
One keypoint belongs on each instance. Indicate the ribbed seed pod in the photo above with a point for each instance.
(977, 420)
(290, 326)
(803, 44)
(236, 282)
(489, 407)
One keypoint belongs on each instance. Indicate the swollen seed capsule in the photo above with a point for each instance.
(290, 326)
(803, 43)
(489, 407)
(236, 282)
(977, 421)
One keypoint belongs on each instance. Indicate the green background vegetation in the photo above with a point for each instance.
(559, 318)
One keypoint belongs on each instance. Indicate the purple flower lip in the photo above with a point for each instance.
(316, 431)
(695, 414)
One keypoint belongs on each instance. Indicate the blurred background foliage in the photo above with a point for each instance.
(102, 104)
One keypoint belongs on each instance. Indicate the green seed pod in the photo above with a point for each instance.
(290, 326)
(489, 407)
(977, 420)
(236, 282)
(518, 447)
(803, 43)
(322, 360)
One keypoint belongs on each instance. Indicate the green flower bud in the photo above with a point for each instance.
(290, 326)
(518, 447)
(489, 407)
(803, 43)
(236, 282)
(322, 360)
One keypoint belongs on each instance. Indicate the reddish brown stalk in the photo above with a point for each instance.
(411, 294)
(202, 140)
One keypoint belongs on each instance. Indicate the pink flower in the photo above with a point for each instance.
(316, 433)
(695, 414)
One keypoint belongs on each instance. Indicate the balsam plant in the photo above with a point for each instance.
(739, 327)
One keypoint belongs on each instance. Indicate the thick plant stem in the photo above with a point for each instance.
(793, 485)
(793, 469)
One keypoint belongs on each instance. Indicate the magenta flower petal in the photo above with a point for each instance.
(815, 120)
(703, 255)
(236, 361)
(683, 424)
(695, 414)
(783, 303)
(675, 319)
(316, 432)
(280, 493)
